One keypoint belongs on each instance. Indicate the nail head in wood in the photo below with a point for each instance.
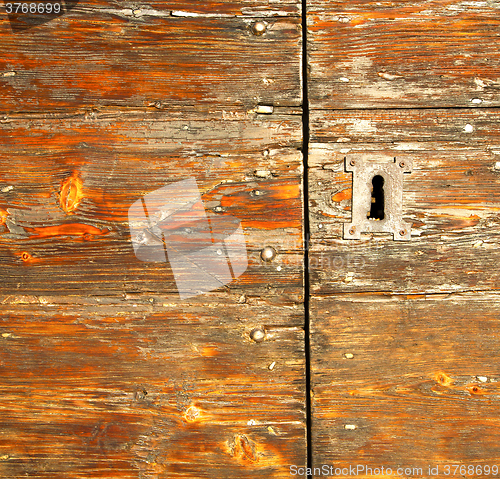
(257, 335)
(268, 253)
(259, 28)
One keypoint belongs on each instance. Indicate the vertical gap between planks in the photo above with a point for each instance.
(307, 236)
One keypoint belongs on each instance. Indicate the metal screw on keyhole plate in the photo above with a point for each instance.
(352, 162)
(402, 164)
(352, 230)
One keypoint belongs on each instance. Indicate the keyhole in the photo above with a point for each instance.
(377, 204)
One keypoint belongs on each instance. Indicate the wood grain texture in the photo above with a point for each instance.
(106, 371)
(204, 9)
(250, 169)
(452, 198)
(405, 381)
(109, 56)
(140, 389)
(404, 343)
(368, 54)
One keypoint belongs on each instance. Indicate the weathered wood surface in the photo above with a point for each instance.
(452, 198)
(404, 353)
(406, 381)
(367, 54)
(250, 8)
(110, 56)
(105, 371)
(250, 169)
(147, 389)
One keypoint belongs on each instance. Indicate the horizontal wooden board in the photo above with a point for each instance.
(406, 129)
(179, 7)
(106, 371)
(100, 388)
(369, 54)
(109, 56)
(405, 381)
(67, 183)
(452, 199)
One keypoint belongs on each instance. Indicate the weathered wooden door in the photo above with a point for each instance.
(318, 354)
(105, 370)
(405, 346)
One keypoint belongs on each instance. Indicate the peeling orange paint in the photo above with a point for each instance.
(28, 258)
(71, 194)
(70, 229)
(25, 256)
(192, 414)
(443, 379)
(3, 216)
(244, 449)
(285, 192)
(209, 351)
(474, 389)
(342, 195)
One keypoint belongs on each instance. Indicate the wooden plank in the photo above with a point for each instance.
(106, 371)
(405, 381)
(133, 388)
(80, 360)
(249, 169)
(403, 359)
(219, 8)
(452, 198)
(369, 54)
(109, 56)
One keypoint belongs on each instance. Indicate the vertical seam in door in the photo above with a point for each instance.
(305, 153)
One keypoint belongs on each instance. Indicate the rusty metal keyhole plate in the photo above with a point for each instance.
(365, 168)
